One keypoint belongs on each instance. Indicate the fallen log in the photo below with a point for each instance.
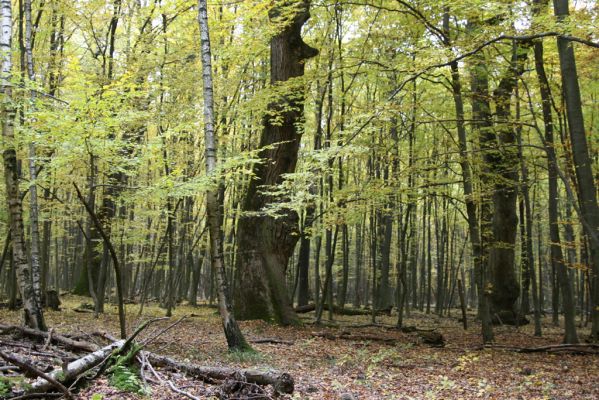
(404, 329)
(341, 311)
(434, 339)
(70, 344)
(281, 382)
(83, 310)
(357, 338)
(581, 348)
(74, 369)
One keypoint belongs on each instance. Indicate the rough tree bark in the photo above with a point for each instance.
(33, 314)
(235, 338)
(583, 163)
(504, 164)
(265, 243)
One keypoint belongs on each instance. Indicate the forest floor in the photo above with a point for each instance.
(327, 369)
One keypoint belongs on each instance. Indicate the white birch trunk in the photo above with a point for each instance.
(33, 315)
(76, 368)
(235, 338)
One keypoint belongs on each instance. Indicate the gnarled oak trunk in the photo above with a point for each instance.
(265, 243)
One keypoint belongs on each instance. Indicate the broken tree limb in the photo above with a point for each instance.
(71, 344)
(170, 384)
(272, 341)
(156, 335)
(140, 328)
(36, 372)
(48, 339)
(281, 382)
(76, 368)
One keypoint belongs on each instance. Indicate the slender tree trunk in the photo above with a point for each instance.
(359, 256)
(541, 257)
(45, 247)
(34, 251)
(580, 152)
(429, 264)
(89, 251)
(385, 229)
(469, 195)
(345, 272)
(423, 278)
(195, 277)
(235, 338)
(304, 261)
(557, 259)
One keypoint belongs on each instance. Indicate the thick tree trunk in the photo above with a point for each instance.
(265, 243)
(33, 314)
(504, 164)
(481, 113)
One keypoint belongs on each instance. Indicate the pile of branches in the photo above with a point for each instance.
(47, 364)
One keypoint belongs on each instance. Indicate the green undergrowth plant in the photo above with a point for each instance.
(125, 376)
(5, 386)
(8, 383)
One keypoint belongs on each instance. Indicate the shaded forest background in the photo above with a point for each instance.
(414, 155)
